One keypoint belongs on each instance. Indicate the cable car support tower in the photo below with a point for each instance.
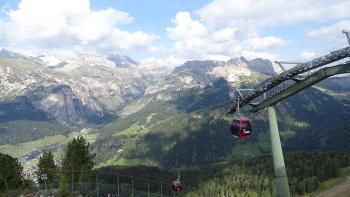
(291, 81)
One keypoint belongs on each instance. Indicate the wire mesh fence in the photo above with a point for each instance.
(102, 185)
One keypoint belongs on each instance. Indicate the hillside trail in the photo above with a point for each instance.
(342, 190)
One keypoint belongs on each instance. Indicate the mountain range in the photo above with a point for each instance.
(155, 114)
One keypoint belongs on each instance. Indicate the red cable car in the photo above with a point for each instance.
(241, 128)
(176, 186)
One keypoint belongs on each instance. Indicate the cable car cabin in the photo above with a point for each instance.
(176, 186)
(241, 128)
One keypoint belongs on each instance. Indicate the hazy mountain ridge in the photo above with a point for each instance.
(4, 53)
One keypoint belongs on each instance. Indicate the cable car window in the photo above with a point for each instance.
(246, 125)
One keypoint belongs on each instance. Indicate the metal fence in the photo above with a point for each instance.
(102, 185)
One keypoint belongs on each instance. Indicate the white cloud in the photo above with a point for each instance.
(258, 54)
(308, 54)
(332, 32)
(188, 35)
(125, 41)
(154, 63)
(69, 24)
(224, 35)
(186, 27)
(228, 28)
(261, 13)
(256, 42)
(219, 30)
(194, 40)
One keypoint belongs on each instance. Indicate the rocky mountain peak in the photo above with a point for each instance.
(264, 66)
(76, 86)
(238, 60)
(10, 55)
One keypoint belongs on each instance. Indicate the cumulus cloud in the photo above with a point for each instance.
(260, 13)
(331, 32)
(227, 28)
(308, 54)
(221, 29)
(260, 43)
(186, 27)
(69, 24)
(154, 63)
(193, 39)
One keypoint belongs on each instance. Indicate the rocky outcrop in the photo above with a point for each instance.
(73, 93)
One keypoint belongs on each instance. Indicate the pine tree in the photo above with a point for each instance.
(10, 173)
(47, 166)
(78, 162)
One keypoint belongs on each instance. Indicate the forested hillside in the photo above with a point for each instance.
(191, 129)
(251, 177)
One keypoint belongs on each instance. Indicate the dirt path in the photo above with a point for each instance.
(342, 190)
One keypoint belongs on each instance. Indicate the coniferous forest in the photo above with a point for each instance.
(250, 177)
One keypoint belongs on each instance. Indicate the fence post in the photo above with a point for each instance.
(118, 184)
(97, 190)
(72, 181)
(147, 189)
(132, 187)
(161, 190)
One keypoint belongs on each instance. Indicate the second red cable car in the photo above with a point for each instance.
(176, 186)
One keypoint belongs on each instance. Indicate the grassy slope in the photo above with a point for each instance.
(19, 150)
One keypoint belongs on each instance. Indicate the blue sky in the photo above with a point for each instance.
(176, 29)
